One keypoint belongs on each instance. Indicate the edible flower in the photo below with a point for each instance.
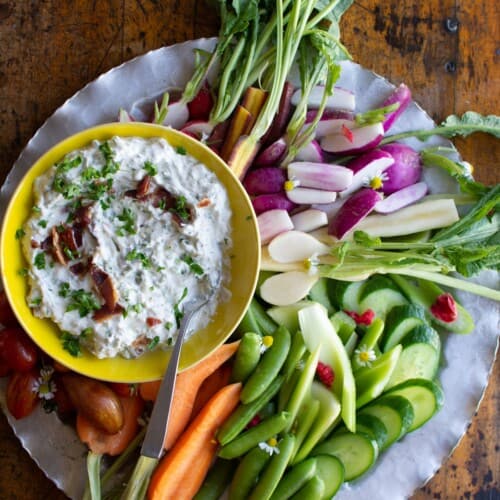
(376, 181)
(347, 133)
(311, 264)
(325, 374)
(365, 318)
(266, 343)
(445, 308)
(270, 446)
(44, 386)
(364, 356)
(291, 184)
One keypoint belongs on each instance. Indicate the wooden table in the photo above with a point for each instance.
(445, 50)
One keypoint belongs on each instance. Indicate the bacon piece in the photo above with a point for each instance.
(104, 313)
(68, 238)
(34, 244)
(143, 187)
(160, 197)
(57, 250)
(82, 216)
(152, 321)
(80, 268)
(205, 202)
(105, 285)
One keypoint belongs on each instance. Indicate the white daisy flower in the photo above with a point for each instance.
(270, 446)
(376, 181)
(364, 356)
(44, 386)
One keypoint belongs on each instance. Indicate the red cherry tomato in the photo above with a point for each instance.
(7, 316)
(21, 394)
(17, 349)
(124, 389)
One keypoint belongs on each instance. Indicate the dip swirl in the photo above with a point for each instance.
(122, 233)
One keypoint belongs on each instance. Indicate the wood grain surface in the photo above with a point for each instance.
(447, 51)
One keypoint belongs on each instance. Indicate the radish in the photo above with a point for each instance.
(272, 154)
(272, 223)
(308, 196)
(402, 96)
(402, 198)
(216, 138)
(353, 211)
(198, 129)
(295, 246)
(320, 175)
(265, 180)
(201, 105)
(330, 209)
(177, 115)
(354, 141)
(368, 170)
(330, 114)
(309, 220)
(407, 168)
(265, 202)
(282, 117)
(331, 122)
(311, 152)
(340, 99)
(124, 116)
(287, 288)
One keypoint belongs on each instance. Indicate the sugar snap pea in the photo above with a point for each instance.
(269, 366)
(266, 323)
(270, 477)
(287, 388)
(218, 477)
(252, 437)
(305, 420)
(312, 490)
(247, 356)
(297, 350)
(242, 416)
(294, 479)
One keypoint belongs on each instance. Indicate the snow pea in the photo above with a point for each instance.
(294, 479)
(247, 356)
(217, 479)
(297, 350)
(247, 472)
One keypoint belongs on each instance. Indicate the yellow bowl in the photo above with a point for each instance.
(150, 366)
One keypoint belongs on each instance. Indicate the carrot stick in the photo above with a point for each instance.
(182, 464)
(239, 126)
(253, 100)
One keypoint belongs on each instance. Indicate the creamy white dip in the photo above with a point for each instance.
(152, 219)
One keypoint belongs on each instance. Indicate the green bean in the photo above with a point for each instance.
(242, 416)
(269, 366)
(252, 437)
(297, 350)
(249, 322)
(287, 389)
(305, 420)
(266, 323)
(272, 474)
(217, 479)
(247, 473)
(312, 490)
(247, 356)
(294, 479)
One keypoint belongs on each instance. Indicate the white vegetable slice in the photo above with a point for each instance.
(310, 152)
(308, 196)
(340, 99)
(177, 115)
(272, 223)
(309, 220)
(320, 175)
(295, 246)
(401, 198)
(287, 288)
(363, 139)
(198, 128)
(268, 264)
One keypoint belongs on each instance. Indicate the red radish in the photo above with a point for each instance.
(177, 115)
(265, 180)
(308, 196)
(331, 122)
(330, 209)
(309, 220)
(216, 138)
(200, 107)
(198, 129)
(272, 223)
(282, 117)
(266, 202)
(368, 170)
(402, 96)
(320, 175)
(353, 211)
(407, 168)
(124, 116)
(402, 198)
(330, 114)
(340, 99)
(311, 152)
(272, 154)
(363, 139)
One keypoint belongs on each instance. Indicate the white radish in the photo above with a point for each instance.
(268, 264)
(402, 198)
(311, 152)
(331, 126)
(295, 246)
(355, 140)
(309, 220)
(320, 175)
(287, 288)
(340, 99)
(177, 115)
(272, 223)
(308, 196)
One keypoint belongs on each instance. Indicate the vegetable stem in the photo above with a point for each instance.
(139, 480)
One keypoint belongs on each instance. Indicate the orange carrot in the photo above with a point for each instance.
(149, 390)
(101, 442)
(182, 464)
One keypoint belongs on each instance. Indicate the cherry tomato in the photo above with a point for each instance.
(21, 393)
(7, 316)
(17, 349)
(124, 389)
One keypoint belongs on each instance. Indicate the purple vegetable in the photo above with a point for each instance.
(340, 99)
(308, 196)
(265, 180)
(354, 210)
(272, 154)
(280, 121)
(331, 122)
(355, 140)
(330, 114)
(311, 152)
(276, 201)
(272, 223)
(406, 170)
(402, 198)
(401, 95)
(320, 175)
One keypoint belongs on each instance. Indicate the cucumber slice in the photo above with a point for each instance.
(373, 426)
(312, 490)
(420, 356)
(425, 397)
(380, 294)
(399, 321)
(287, 315)
(344, 325)
(357, 452)
(331, 471)
(294, 479)
(319, 293)
(345, 294)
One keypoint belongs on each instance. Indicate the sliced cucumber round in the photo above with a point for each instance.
(395, 412)
(425, 396)
(319, 293)
(380, 294)
(331, 471)
(399, 321)
(357, 452)
(345, 294)
(373, 426)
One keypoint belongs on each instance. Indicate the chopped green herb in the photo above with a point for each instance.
(86, 332)
(60, 228)
(36, 302)
(162, 204)
(69, 253)
(135, 255)
(20, 233)
(82, 301)
(111, 166)
(168, 325)
(154, 342)
(96, 189)
(180, 150)
(137, 308)
(39, 260)
(127, 217)
(23, 272)
(90, 173)
(150, 168)
(68, 164)
(178, 314)
(67, 189)
(193, 265)
(181, 208)
(42, 223)
(170, 341)
(64, 289)
(36, 209)
(71, 343)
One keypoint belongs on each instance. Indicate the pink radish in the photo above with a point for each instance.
(265, 202)
(272, 154)
(355, 140)
(402, 96)
(331, 122)
(282, 117)
(320, 175)
(366, 167)
(272, 223)
(330, 114)
(309, 220)
(308, 196)
(265, 180)
(407, 168)
(353, 211)
(124, 116)
(340, 99)
(402, 198)
(177, 115)
(311, 152)
(330, 209)
(198, 129)
(200, 107)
